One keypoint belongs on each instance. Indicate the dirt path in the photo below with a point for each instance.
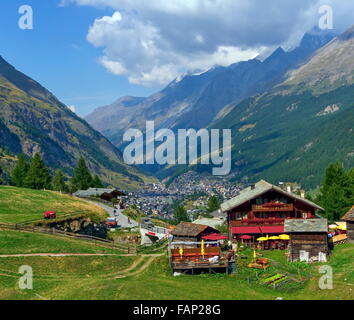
(134, 269)
(146, 265)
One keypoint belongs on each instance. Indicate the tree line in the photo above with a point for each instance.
(34, 174)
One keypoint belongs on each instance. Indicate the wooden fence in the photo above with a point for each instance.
(59, 218)
(97, 241)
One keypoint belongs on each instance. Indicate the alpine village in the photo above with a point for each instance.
(93, 227)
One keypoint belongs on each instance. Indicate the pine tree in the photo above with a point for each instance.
(97, 183)
(82, 179)
(58, 182)
(336, 193)
(38, 176)
(20, 172)
(213, 204)
(350, 187)
(181, 214)
(1, 173)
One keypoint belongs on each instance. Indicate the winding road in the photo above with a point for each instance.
(122, 220)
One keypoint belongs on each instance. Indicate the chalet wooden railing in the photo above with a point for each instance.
(257, 221)
(273, 207)
(97, 241)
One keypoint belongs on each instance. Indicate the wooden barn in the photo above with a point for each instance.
(191, 232)
(349, 219)
(308, 239)
(261, 210)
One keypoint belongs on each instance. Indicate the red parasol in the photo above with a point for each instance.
(246, 237)
(214, 237)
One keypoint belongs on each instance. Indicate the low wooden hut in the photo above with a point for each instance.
(349, 219)
(308, 239)
(104, 194)
(187, 231)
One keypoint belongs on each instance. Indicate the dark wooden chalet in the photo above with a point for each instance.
(187, 231)
(262, 208)
(308, 239)
(349, 219)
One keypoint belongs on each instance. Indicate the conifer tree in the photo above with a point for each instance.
(38, 176)
(337, 191)
(20, 172)
(58, 182)
(82, 178)
(181, 214)
(213, 204)
(97, 183)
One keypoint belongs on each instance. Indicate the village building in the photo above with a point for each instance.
(261, 210)
(211, 222)
(102, 193)
(308, 239)
(196, 248)
(191, 232)
(290, 187)
(349, 219)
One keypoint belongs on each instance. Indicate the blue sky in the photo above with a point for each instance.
(92, 52)
(57, 54)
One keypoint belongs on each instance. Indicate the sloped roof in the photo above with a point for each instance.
(211, 222)
(349, 216)
(257, 190)
(305, 225)
(93, 192)
(189, 229)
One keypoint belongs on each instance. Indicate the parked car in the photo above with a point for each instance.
(111, 223)
(49, 215)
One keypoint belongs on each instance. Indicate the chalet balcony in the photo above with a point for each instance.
(260, 222)
(273, 207)
(256, 222)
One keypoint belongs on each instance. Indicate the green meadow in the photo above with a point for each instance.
(19, 205)
(149, 277)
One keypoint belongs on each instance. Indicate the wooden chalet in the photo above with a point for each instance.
(262, 208)
(191, 232)
(349, 219)
(308, 239)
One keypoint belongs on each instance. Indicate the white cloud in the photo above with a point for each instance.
(151, 42)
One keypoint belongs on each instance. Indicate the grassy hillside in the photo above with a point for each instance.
(33, 120)
(105, 277)
(19, 205)
(288, 137)
(14, 242)
(294, 138)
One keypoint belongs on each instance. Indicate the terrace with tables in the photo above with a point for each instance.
(198, 257)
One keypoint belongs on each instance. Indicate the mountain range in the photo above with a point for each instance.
(194, 101)
(33, 120)
(290, 114)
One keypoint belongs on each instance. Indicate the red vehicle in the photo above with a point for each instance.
(111, 223)
(50, 215)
